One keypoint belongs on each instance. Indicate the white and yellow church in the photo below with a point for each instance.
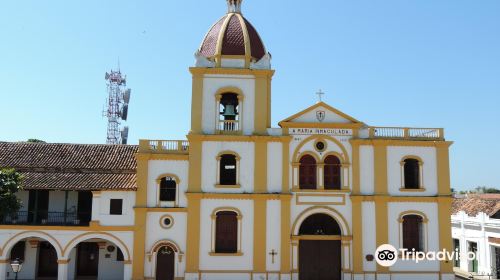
(239, 199)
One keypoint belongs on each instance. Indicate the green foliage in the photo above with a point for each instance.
(32, 140)
(10, 184)
(480, 190)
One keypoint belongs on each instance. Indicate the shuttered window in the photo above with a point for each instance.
(307, 172)
(412, 233)
(331, 172)
(226, 232)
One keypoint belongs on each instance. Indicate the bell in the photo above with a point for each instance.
(229, 111)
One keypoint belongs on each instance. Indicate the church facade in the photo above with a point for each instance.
(311, 199)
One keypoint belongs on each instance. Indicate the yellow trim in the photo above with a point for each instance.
(403, 143)
(445, 240)
(296, 190)
(320, 203)
(94, 226)
(262, 108)
(443, 170)
(246, 39)
(164, 217)
(382, 228)
(344, 157)
(412, 190)
(224, 90)
(37, 234)
(218, 47)
(354, 126)
(195, 158)
(59, 261)
(357, 234)
(118, 242)
(339, 218)
(238, 138)
(163, 209)
(324, 143)
(285, 166)
(259, 235)
(238, 171)
(310, 153)
(239, 217)
(193, 235)
(230, 71)
(313, 107)
(140, 216)
(285, 235)
(151, 155)
(213, 254)
(423, 199)
(197, 103)
(356, 174)
(425, 233)
(227, 186)
(320, 237)
(243, 196)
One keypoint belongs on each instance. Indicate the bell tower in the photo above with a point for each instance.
(231, 79)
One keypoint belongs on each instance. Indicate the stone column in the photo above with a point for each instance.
(127, 270)
(62, 269)
(3, 268)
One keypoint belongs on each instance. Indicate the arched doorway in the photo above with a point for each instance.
(319, 248)
(165, 263)
(39, 252)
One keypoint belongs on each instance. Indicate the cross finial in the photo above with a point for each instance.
(320, 94)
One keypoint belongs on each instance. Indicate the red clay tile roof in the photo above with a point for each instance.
(233, 39)
(72, 166)
(474, 204)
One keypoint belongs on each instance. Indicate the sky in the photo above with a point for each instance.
(413, 63)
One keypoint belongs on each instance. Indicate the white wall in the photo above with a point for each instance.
(127, 217)
(246, 150)
(244, 262)
(366, 169)
(330, 117)
(274, 166)
(159, 167)
(273, 235)
(394, 157)
(431, 236)
(369, 237)
(211, 84)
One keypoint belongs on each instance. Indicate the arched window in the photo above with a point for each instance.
(332, 172)
(228, 169)
(319, 224)
(226, 232)
(411, 171)
(413, 232)
(307, 172)
(168, 189)
(229, 112)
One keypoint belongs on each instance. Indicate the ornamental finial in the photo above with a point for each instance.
(234, 6)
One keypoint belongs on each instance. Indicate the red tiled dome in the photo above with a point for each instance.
(232, 35)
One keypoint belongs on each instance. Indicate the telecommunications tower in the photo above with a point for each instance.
(116, 108)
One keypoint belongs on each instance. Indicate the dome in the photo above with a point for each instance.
(232, 35)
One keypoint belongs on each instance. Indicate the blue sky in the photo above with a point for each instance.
(422, 63)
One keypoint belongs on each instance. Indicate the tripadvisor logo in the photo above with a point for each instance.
(386, 255)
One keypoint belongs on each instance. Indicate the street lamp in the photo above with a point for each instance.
(16, 266)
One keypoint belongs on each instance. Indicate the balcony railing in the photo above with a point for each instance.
(406, 133)
(46, 218)
(164, 146)
(229, 126)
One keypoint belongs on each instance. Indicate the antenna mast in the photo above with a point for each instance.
(116, 108)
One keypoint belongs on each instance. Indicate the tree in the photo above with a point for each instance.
(32, 140)
(10, 184)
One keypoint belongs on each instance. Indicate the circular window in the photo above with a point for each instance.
(320, 146)
(166, 221)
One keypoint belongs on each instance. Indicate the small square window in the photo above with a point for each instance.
(115, 206)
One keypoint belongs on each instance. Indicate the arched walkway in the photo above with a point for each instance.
(38, 250)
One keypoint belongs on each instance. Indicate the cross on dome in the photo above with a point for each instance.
(234, 6)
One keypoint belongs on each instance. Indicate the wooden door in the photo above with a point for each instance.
(47, 260)
(87, 259)
(84, 207)
(319, 260)
(38, 206)
(165, 261)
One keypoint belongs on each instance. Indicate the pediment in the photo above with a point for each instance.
(320, 113)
